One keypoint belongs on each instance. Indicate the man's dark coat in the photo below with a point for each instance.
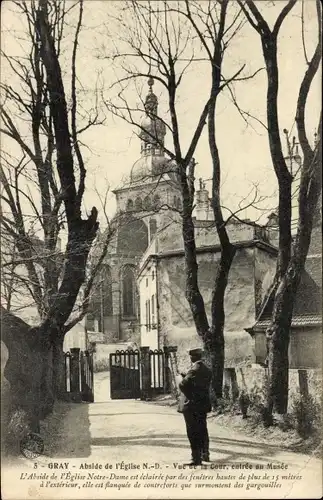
(195, 389)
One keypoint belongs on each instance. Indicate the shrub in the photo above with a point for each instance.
(244, 403)
(254, 400)
(225, 405)
(306, 412)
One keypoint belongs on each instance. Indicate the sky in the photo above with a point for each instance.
(113, 148)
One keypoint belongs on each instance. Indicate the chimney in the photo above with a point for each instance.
(272, 220)
(203, 208)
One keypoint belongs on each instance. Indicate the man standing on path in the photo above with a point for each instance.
(194, 403)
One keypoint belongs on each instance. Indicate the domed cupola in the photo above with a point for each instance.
(153, 161)
(153, 129)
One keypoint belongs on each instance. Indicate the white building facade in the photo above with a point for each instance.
(148, 293)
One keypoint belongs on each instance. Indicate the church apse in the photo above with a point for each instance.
(146, 202)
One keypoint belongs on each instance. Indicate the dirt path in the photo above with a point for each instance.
(137, 432)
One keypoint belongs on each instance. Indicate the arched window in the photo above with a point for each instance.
(107, 304)
(147, 203)
(128, 291)
(152, 228)
(138, 204)
(157, 202)
(179, 204)
(175, 201)
(132, 238)
(129, 205)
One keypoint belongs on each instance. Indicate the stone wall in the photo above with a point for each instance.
(316, 241)
(162, 188)
(172, 239)
(76, 337)
(176, 321)
(264, 273)
(101, 357)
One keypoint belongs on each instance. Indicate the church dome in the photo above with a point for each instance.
(150, 166)
(153, 130)
(152, 134)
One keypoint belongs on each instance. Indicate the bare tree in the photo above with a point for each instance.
(291, 258)
(159, 43)
(43, 186)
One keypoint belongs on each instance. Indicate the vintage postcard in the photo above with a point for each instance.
(161, 315)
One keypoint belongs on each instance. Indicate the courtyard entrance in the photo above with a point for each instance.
(138, 374)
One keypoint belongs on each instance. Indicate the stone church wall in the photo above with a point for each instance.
(177, 326)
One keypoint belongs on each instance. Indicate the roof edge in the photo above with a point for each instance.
(217, 247)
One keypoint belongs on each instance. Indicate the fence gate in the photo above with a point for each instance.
(138, 374)
(157, 371)
(79, 375)
(86, 365)
(125, 375)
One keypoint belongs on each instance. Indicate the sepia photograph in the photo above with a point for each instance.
(161, 249)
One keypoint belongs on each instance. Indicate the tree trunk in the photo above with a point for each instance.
(226, 384)
(59, 380)
(214, 347)
(303, 383)
(23, 371)
(278, 366)
(234, 384)
(278, 338)
(214, 339)
(192, 292)
(278, 333)
(46, 392)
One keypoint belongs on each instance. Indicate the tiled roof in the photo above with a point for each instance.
(303, 320)
(313, 267)
(307, 307)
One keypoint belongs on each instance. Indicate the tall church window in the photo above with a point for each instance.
(129, 205)
(152, 228)
(138, 204)
(107, 305)
(128, 291)
(94, 313)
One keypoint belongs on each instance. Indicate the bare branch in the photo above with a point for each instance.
(74, 107)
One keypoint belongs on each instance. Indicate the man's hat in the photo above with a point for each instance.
(196, 352)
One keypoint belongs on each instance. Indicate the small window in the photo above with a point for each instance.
(146, 281)
(153, 310)
(147, 203)
(157, 202)
(153, 275)
(148, 321)
(129, 205)
(138, 204)
(146, 315)
(152, 229)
